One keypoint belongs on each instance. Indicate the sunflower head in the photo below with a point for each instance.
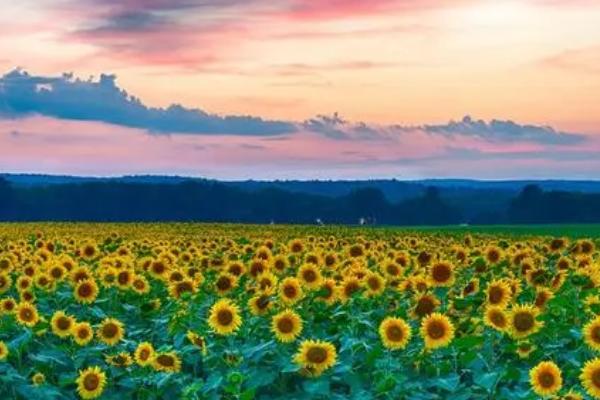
(545, 378)
(224, 317)
(395, 333)
(590, 377)
(111, 331)
(144, 353)
(437, 331)
(86, 291)
(591, 333)
(38, 379)
(82, 333)
(91, 382)
(167, 362)
(316, 356)
(286, 326)
(495, 317)
(62, 324)
(523, 322)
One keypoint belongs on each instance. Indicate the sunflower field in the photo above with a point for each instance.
(199, 311)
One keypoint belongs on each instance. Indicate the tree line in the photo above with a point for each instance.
(215, 202)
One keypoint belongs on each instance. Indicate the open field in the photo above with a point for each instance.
(207, 311)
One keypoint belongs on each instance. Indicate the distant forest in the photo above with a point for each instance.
(212, 201)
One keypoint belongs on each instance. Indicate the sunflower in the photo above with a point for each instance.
(167, 362)
(82, 333)
(286, 326)
(493, 254)
(86, 291)
(140, 284)
(495, 317)
(197, 341)
(545, 378)
(591, 333)
(3, 351)
(425, 305)
(310, 276)
(225, 282)
(5, 282)
(178, 289)
(522, 321)
(122, 359)
(441, 274)
(27, 314)
(89, 251)
(290, 290)
(266, 281)
(110, 331)
(316, 355)
(38, 379)
(144, 353)
(590, 377)
(395, 333)
(124, 279)
(158, 269)
(524, 349)
(62, 324)
(437, 330)
(498, 293)
(224, 317)
(280, 263)
(8, 305)
(327, 292)
(543, 295)
(296, 246)
(471, 287)
(260, 304)
(375, 284)
(90, 383)
(349, 287)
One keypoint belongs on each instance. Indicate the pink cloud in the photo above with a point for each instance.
(46, 145)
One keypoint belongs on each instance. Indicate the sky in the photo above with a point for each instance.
(301, 89)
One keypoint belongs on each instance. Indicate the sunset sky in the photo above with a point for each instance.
(301, 89)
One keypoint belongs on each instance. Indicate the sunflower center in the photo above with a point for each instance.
(373, 283)
(263, 302)
(441, 273)
(84, 290)
(425, 306)
(289, 291)
(91, 382)
(225, 317)
(523, 321)
(596, 378)
(123, 278)
(82, 333)
(498, 319)
(144, 354)
(165, 360)
(595, 334)
(496, 295)
(395, 333)
(223, 283)
(26, 314)
(309, 275)
(63, 323)
(436, 330)
(350, 288)
(546, 379)
(110, 330)
(285, 325)
(392, 269)
(316, 355)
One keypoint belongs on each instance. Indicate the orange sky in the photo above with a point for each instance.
(409, 62)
